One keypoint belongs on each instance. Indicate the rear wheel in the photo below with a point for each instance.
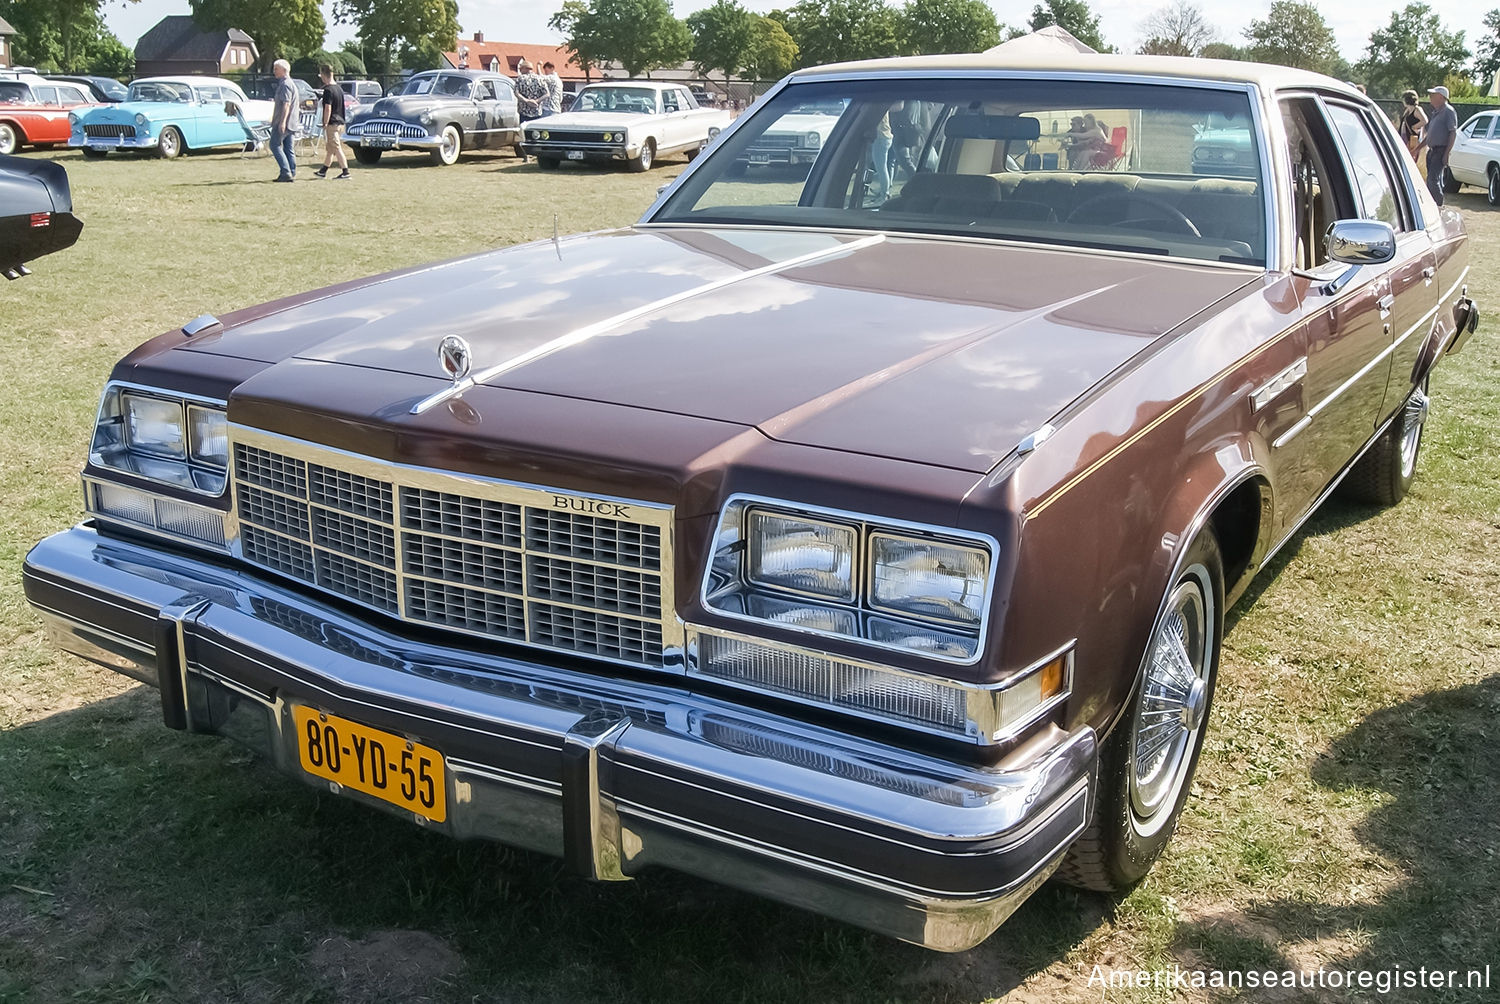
(1492, 190)
(451, 146)
(10, 138)
(1384, 474)
(1146, 765)
(169, 143)
(365, 155)
(647, 155)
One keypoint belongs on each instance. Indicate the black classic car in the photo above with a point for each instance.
(441, 111)
(36, 213)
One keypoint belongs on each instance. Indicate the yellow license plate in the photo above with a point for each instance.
(391, 768)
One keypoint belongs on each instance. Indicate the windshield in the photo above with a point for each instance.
(159, 90)
(1080, 163)
(449, 84)
(638, 100)
(12, 91)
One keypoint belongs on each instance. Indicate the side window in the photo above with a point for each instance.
(70, 95)
(1367, 168)
(486, 90)
(1320, 192)
(669, 100)
(46, 95)
(685, 100)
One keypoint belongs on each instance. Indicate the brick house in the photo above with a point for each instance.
(478, 54)
(176, 45)
(6, 31)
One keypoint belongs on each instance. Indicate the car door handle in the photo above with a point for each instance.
(1385, 303)
(1427, 274)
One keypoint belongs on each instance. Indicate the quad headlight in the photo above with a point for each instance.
(918, 589)
(812, 141)
(140, 119)
(162, 437)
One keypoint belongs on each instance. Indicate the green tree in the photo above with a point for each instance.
(1412, 50)
(833, 31)
(936, 26)
(308, 66)
(351, 55)
(772, 53)
(1487, 49)
(393, 29)
(722, 37)
(282, 29)
(64, 35)
(1075, 16)
(1221, 50)
(574, 21)
(1294, 34)
(1179, 29)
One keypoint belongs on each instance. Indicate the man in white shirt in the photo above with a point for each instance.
(552, 104)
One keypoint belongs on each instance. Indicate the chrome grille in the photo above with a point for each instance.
(529, 571)
(376, 128)
(106, 130)
(554, 136)
(778, 141)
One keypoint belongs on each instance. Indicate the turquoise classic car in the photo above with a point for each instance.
(168, 115)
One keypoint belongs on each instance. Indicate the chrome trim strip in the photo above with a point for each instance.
(592, 838)
(1278, 384)
(583, 334)
(1312, 413)
(866, 524)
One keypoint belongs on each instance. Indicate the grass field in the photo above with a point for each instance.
(1344, 815)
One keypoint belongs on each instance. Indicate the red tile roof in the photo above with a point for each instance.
(508, 54)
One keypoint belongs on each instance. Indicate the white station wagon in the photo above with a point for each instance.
(1476, 156)
(635, 121)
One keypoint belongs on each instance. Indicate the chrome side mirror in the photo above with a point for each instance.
(1360, 242)
(1357, 243)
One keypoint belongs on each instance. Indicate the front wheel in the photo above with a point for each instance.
(1384, 474)
(1492, 190)
(1146, 765)
(366, 156)
(90, 153)
(547, 163)
(451, 146)
(169, 143)
(647, 155)
(10, 138)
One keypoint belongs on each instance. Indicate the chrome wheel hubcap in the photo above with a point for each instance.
(1174, 699)
(1411, 431)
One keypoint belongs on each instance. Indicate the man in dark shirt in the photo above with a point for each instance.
(1442, 125)
(333, 125)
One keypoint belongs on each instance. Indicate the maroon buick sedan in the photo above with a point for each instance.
(858, 533)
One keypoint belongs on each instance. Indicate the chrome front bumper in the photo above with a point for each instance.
(377, 142)
(113, 142)
(613, 774)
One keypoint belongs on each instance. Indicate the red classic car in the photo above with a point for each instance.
(34, 111)
(859, 535)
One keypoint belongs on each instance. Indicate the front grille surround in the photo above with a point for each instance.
(587, 575)
(108, 130)
(391, 127)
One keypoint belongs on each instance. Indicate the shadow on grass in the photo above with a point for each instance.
(138, 863)
(1432, 757)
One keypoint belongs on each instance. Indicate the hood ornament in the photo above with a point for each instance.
(454, 357)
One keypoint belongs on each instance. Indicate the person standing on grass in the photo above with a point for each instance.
(284, 121)
(1413, 121)
(531, 91)
(552, 103)
(333, 125)
(1442, 125)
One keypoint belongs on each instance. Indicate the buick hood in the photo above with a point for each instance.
(941, 352)
(405, 106)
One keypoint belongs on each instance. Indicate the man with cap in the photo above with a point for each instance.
(1442, 125)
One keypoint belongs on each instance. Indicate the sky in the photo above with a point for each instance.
(1119, 20)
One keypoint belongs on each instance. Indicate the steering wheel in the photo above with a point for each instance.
(1169, 213)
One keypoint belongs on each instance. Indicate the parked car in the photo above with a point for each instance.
(798, 137)
(358, 93)
(105, 90)
(264, 89)
(1475, 159)
(634, 121)
(1222, 148)
(34, 111)
(36, 213)
(169, 115)
(868, 553)
(444, 112)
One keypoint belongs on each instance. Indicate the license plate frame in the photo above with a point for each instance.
(760, 158)
(575, 154)
(380, 142)
(381, 764)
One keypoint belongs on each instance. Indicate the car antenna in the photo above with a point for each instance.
(556, 242)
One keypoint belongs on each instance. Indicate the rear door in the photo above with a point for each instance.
(1467, 161)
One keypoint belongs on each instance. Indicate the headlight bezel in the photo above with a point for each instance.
(723, 587)
(110, 449)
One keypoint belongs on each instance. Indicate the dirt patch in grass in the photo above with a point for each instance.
(386, 966)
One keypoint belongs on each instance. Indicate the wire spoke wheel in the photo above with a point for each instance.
(1412, 421)
(1174, 697)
